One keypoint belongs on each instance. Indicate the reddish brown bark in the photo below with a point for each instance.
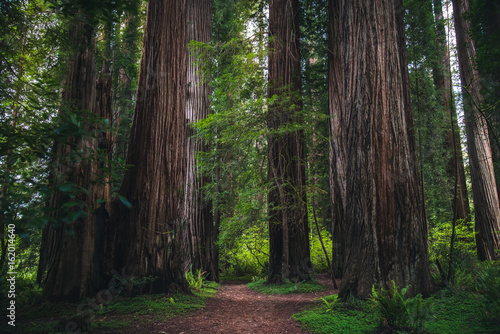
(67, 249)
(199, 232)
(288, 226)
(484, 192)
(148, 235)
(373, 149)
(442, 80)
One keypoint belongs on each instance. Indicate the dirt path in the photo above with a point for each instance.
(237, 309)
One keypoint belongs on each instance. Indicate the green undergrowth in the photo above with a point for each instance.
(237, 278)
(281, 289)
(452, 312)
(120, 314)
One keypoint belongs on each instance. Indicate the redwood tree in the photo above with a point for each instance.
(289, 255)
(145, 239)
(442, 79)
(199, 232)
(486, 204)
(67, 251)
(374, 149)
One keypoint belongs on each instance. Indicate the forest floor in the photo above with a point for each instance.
(237, 309)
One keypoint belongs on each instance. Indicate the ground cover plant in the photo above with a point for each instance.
(281, 289)
(123, 313)
(450, 310)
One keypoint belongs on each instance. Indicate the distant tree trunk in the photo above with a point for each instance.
(147, 237)
(199, 231)
(67, 250)
(125, 78)
(338, 161)
(289, 255)
(486, 204)
(442, 80)
(105, 146)
(385, 228)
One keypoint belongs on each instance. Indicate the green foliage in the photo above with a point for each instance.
(399, 312)
(318, 259)
(335, 303)
(196, 280)
(487, 283)
(464, 250)
(326, 320)
(459, 312)
(452, 312)
(280, 289)
(121, 314)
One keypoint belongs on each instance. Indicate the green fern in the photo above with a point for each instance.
(330, 306)
(399, 312)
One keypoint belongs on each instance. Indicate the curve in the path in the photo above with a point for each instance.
(237, 309)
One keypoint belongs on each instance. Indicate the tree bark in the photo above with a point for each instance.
(374, 149)
(67, 250)
(148, 235)
(442, 80)
(199, 231)
(338, 161)
(289, 255)
(484, 192)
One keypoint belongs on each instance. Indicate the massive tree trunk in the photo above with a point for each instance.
(289, 255)
(67, 250)
(199, 232)
(148, 235)
(442, 79)
(484, 192)
(373, 143)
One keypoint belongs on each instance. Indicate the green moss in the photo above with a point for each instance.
(281, 289)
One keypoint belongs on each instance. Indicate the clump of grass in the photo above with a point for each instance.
(281, 289)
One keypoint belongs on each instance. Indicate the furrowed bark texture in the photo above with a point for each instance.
(374, 149)
(199, 232)
(338, 161)
(289, 255)
(442, 80)
(67, 250)
(149, 242)
(484, 192)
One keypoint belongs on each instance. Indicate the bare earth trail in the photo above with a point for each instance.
(237, 309)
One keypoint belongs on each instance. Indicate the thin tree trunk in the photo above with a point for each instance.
(148, 235)
(289, 255)
(484, 191)
(199, 232)
(384, 223)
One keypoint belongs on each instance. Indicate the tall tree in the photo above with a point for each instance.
(289, 255)
(442, 79)
(484, 192)
(485, 28)
(199, 232)
(68, 239)
(145, 239)
(384, 224)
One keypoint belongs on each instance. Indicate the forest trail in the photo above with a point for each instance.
(237, 309)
